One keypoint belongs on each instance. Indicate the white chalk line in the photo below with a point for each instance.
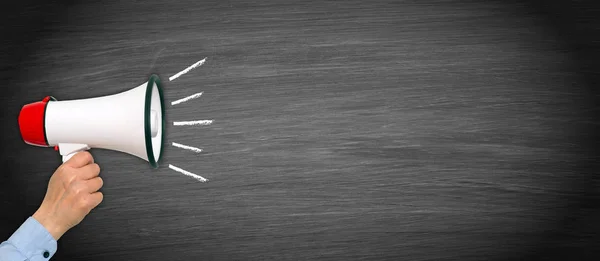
(187, 173)
(197, 150)
(194, 96)
(199, 63)
(191, 123)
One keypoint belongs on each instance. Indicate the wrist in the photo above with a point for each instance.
(50, 224)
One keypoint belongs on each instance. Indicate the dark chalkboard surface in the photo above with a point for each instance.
(380, 130)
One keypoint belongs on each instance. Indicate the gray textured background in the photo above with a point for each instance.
(383, 130)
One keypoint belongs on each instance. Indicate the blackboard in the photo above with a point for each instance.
(343, 130)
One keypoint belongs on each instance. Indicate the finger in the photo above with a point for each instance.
(89, 171)
(95, 199)
(80, 159)
(94, 184)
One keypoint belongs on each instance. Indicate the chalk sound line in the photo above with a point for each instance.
(199, 63)
(197, 150)
(191, 123)
(194, 96)
(187, 173)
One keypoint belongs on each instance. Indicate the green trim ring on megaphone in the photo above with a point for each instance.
(154, 79)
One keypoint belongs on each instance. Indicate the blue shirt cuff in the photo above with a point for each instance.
(33, 240)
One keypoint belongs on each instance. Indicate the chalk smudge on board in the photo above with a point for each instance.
(194, 96)
(199, 63)
(197, 150)
(191, 123)
(156, 57)
(187, 173)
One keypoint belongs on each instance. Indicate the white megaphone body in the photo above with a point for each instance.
(131, 122)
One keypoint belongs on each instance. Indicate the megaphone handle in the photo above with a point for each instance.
(67, 150)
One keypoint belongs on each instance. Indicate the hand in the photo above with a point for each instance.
(72, 193)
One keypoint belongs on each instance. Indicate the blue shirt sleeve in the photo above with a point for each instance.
(30, 242)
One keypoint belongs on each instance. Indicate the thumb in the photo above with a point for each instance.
(80, 159)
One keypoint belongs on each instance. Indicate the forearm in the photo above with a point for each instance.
(31, 241)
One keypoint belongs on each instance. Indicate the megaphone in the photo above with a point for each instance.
(130, 122)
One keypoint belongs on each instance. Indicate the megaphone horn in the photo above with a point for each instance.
(131, 122)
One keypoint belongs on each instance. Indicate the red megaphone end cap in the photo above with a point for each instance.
(31, 122)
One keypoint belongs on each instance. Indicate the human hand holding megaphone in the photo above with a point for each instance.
(130, 122)
(73, 191)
